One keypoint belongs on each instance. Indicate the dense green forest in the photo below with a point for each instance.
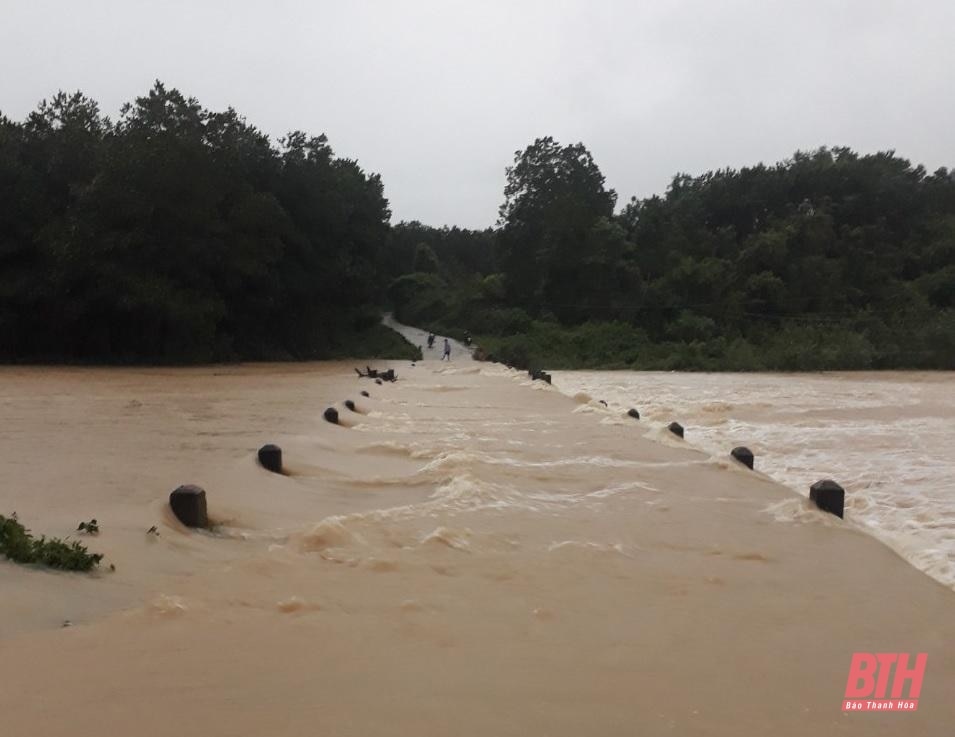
(178, 234)
(827, 260)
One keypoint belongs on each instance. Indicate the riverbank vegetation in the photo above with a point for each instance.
(18, 545)
(828, 260)
(180, 234)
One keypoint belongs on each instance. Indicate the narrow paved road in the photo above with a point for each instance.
(459, 351)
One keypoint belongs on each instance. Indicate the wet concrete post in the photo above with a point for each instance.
(743, 455)
(270, 456)
(676, 428)
(829, 497)
(350, 404)
(188, 503)
(331, 415)
(633, 413)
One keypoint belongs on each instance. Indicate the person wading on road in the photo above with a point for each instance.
(447, 350)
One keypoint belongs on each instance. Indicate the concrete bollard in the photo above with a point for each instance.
(828, 496)
(188, 503)
(350, 404)
(743, 455)
(364, 393)
(331, 415)
(676, 428)
(270, 456)
(633, 413)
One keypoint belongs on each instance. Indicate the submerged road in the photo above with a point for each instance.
(459, 351)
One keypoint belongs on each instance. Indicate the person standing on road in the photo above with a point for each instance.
(447, 350)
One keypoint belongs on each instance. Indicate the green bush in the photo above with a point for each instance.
(818, 348)
(419, 299)
(375, 342)
(616, 345)
(500, 321)
(17, 544)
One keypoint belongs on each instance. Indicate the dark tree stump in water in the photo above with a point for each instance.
(331, 415)
(350, 404)
(188, 503)
(270, 456)
(365, 394)
(743, 455)
(829, 497)
(633, 413)
(676, 428)
(378, 382)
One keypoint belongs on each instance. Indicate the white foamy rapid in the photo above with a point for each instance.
(888, 438)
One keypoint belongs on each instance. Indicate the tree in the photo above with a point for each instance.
(425, 260)
(179, 234)
(552, 198)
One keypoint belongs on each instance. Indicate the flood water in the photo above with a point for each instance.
(471, 552)
(887, 438)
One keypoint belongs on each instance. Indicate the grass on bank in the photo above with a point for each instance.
(17, 544)
(915, 337)
(615, 345)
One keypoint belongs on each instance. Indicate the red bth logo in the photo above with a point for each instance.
(868, 686)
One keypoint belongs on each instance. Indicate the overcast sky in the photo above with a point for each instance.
(436, 95)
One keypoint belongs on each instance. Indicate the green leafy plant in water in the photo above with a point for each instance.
(17, 544)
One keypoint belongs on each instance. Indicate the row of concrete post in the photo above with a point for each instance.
(188, 502)
(826, 494)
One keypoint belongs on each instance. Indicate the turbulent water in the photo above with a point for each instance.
(471, 552)
(888, 438)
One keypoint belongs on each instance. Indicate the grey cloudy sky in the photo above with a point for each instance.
(436, 95)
